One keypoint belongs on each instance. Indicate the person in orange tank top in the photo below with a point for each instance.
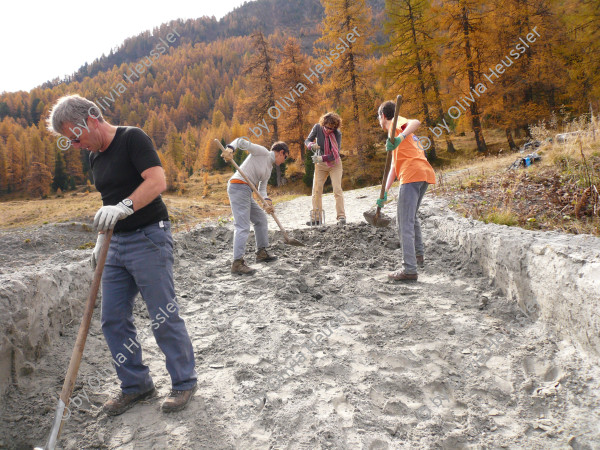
(411, 167)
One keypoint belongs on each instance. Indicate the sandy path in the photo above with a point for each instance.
(320, 351)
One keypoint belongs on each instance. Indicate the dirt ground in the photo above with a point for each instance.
(319, 351)
(34, 245)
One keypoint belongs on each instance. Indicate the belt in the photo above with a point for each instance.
(160, 224)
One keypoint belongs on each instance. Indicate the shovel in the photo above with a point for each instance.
(377, 219)
(69, 384)
(286, 238)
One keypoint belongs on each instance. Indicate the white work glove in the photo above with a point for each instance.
(227, 154)
(107, 216)
(317, 159)
(268, 207)
(96, 251)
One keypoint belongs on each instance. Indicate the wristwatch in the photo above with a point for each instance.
(128, 202)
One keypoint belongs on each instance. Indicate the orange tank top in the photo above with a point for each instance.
(409, 162)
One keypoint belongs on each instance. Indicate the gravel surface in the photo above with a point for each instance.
(319, 350)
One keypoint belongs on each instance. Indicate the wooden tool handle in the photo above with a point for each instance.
(388, 162)
(84, 327)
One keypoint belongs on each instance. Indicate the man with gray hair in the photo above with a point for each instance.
(129, 176)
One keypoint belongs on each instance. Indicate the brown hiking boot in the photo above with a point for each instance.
(263, 256)
(122, 402)
(239, 267)
(420, 261)
(177, 400)
(401, 276)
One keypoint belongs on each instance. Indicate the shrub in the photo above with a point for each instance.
(504, 217)
(309, 170)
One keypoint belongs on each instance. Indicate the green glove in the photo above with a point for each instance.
(381, 201)
(390, 145)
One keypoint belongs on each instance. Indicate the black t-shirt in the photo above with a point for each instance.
(117, 173)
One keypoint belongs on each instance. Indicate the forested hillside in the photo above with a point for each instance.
(270, 68)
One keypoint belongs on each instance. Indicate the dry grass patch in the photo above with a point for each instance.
(558, 193)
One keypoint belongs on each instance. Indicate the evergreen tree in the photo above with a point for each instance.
(239, 156)
(61, 178)
(309, 170)
(219, 163)
(273, 180)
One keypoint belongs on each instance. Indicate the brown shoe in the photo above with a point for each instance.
(239, 267)
(263, 256)
(177, 400)
(401, 276)
(122, 402)
(420, 261)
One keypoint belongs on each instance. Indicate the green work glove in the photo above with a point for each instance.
(381, 201)
(391, 144)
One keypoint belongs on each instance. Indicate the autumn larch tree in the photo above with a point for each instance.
(412, 48)
(74, 167)
(3, 174)
(463, 19)
(347, 72)
(260, 70)
(290, 78)
(15, 169)
(581, 20)
(534, 79)
(38, 180)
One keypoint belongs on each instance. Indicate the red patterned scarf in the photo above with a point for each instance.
(331, 147)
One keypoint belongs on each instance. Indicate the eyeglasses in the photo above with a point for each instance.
(329, 128)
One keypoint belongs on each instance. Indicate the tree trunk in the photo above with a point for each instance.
(510, 140)
(428, 120)
(268, 76)
(475, 118)
(354, 90)
(449, 144)
(300, 131)
(436, 90)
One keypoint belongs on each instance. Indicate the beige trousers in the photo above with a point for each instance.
(322, 171)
